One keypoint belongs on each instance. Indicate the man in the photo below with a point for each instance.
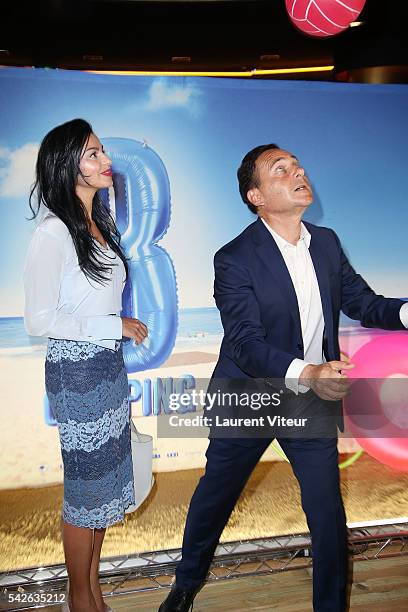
(280, 286)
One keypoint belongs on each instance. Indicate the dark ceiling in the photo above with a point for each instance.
(215, 35)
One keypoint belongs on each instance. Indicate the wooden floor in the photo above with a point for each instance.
(379, 586)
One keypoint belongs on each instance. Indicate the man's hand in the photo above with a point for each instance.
(327, 380)
(133, 328)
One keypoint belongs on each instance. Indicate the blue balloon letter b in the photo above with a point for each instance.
(142, 207)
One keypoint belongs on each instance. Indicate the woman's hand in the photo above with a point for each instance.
(133, 328)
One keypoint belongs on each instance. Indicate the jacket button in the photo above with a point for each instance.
(300, 347)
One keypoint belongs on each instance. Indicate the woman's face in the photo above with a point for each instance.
(95, 166)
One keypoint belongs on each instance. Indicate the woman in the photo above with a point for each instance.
(74, 276)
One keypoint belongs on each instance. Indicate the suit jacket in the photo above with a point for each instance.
(256, 298)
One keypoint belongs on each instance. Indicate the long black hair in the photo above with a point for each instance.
(57, 171)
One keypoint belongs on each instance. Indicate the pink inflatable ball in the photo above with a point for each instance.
(323, 18)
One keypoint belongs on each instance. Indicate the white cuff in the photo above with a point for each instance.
(292, 376)
(104, 327)
(403, 313)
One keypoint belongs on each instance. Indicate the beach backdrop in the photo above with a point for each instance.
(351, 140)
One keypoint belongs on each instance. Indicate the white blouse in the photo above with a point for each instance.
(60, 301)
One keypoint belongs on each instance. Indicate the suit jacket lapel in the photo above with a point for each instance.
(319, 259)
(271, 256)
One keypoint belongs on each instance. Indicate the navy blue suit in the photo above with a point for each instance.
(262, 335)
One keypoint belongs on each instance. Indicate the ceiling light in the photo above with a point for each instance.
(247, 73)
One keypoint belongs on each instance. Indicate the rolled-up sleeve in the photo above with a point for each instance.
(43, 270)
(293, 374)
(403, 313)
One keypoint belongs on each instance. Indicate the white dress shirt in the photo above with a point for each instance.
(300, 267)
(60, 301)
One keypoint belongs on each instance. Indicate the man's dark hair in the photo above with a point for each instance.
(247, 174)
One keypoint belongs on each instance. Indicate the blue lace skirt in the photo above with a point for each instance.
(87, 389)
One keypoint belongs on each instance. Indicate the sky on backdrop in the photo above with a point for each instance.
(351, 140)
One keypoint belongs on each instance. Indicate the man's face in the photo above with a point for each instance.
(283, 186)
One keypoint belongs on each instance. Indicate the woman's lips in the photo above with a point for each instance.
(107, 172)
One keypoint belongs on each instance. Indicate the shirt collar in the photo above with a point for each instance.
(284, 244)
